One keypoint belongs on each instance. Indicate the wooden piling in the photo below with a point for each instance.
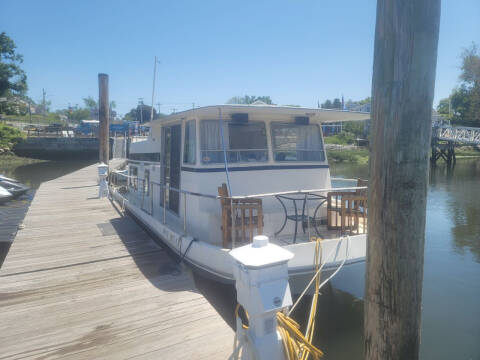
(103, 117)
(406, 40)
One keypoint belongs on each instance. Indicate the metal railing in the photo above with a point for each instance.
(166, 188)
(467, 135)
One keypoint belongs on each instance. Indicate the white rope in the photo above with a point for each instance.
(318, 272)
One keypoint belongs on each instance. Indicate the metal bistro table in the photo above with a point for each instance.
(303, 217)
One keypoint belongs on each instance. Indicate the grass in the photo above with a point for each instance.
(360, 155)
(9, 136)
(354, 156)
(343, 138)
(466, 151)
(49, 118)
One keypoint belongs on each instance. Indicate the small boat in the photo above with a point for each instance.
(15, 188)
(5, 195)
(4, 178)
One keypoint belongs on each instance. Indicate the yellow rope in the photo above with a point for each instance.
(298, 346)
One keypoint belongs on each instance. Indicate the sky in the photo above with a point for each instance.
(297, 52)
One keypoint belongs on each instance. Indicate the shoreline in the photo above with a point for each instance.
(337, 153)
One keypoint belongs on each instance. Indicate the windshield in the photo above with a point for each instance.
(295, 142)
(244, 142)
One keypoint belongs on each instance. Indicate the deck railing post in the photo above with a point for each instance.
(165, 204)
(262, 290)
(185, 213)
(234, 232)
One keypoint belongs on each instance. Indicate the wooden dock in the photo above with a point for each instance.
(83, 282)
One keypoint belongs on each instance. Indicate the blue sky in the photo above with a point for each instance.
(297, 52)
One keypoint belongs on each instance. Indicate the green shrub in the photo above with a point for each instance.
(9, 136)
(343, 138)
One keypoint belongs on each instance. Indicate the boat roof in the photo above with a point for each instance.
(322, 115)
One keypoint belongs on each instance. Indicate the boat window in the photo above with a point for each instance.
(146, 182)
(133, 177)
(189, 143)
(244, 142)
(295, 142)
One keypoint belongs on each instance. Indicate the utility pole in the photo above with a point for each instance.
(44, 106)
(30, 109)
(158, 104)
(103, 117)
(153, 88)
(406, 40)
(140, 105)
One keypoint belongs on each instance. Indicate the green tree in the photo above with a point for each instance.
(337, 104)
(141, 113)
(367, 100)
(13, 80)
(443, 107)
(465, 100)
(249, 99)
(327, 105)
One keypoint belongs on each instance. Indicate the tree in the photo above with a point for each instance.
(367, 100)
(13, 80)
(249, 99)
(465, 100)
(443, 107)
(141, 113)
(337, 104)
(327, 105)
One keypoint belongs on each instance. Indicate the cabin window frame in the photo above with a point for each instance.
(323, 156)
(239, 153)
(133, 178)
(192, 144)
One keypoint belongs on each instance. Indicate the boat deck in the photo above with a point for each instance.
(83, 282)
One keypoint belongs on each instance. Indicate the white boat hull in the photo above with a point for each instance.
(215, 261)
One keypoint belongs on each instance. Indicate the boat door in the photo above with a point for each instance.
(172, 136)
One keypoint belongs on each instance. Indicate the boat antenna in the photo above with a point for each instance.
(225, 162)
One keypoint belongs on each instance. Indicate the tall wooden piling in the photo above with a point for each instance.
(103, 117)
(406, 39)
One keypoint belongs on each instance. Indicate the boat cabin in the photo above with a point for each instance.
(236, 152)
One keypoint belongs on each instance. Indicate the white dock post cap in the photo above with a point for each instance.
(260, 241)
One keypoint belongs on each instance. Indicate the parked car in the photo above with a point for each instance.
(54, 128)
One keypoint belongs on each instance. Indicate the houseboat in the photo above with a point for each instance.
(208, 179)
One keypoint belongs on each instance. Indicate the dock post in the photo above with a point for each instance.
(103, 117)
(261, 278)
(406, 41)
(102, 180)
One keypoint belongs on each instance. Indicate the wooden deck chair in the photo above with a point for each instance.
(247, 216)
(341, 203)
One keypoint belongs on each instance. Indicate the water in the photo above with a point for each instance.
(451, 305)
(451, 289)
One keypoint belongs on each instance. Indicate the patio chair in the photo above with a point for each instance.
(247, 216)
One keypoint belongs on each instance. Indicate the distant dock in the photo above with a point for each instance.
(83, 282)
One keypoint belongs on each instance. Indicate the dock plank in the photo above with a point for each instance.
(83, 282)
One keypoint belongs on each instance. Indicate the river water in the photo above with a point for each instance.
(451, 293)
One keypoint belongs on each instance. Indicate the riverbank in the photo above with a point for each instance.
(12, 160)
(347, 154)
(359, 155)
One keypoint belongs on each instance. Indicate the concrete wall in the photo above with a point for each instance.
(59, 148)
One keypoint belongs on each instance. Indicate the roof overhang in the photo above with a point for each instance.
(322, 115)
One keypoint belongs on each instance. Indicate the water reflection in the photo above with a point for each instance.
(33, 175)
(463, 204)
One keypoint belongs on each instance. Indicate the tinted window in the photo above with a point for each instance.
(244, 142)
(294, 142)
